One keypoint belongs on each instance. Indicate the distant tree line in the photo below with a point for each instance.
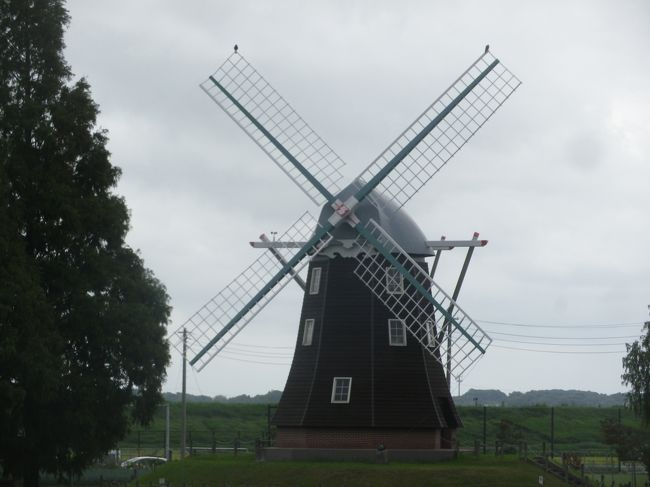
(481, 397)
(550, 397)
(271, 397)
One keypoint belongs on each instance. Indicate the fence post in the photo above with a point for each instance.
(619, 424)
(268, 422)
(214, 442)
(138, 442)
(259, 450)
(526, 449)
(552, 431)
(191, 443)
(484, 429)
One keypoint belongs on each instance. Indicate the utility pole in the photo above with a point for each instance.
(168, 453)
(552, 431)
(183, 398)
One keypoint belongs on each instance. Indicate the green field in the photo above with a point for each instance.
(243, 470)
(218, 424)
(576, 428)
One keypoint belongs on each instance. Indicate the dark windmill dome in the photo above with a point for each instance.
(383, 210)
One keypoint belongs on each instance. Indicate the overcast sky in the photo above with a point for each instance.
(557, 181)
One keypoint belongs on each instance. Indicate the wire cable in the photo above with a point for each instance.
(558, 351)
(248, 353)
(224, 355)
(258, 346)
(562, 338)
(528, 325)
(560, 344)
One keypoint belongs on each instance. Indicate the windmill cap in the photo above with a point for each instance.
(379, 207)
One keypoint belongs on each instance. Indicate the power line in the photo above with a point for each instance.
(259, 346)
(258, 354)
(562, 338)
(558, 351)
(528, 325)
(222, 355)
(561, 344)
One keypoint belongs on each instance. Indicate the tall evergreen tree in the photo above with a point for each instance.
(82, 321)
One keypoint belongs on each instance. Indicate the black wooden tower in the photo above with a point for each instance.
(394, 392)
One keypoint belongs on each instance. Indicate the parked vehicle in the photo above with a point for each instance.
(143, 462)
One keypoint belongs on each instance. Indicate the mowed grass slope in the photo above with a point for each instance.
(576, 428)
(244, 470)
(205, 421)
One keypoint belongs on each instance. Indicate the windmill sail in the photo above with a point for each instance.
(399, 172)
(415, 297)
(236, 299)
(275, 126)
(459, 112)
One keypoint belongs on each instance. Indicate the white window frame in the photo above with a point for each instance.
(308, 332)
(391, 281)
(314, 282)
(431, 336)
(391, 322)
(347, 399)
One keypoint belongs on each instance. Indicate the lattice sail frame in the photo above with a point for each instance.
(275, 114)
(458, 126)
(218, 311)
(487, 85)
(420, 302)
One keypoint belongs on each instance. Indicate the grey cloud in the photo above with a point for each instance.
(558, 189)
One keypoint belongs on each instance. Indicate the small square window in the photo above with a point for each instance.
(308, 332)
(396, 333)
(394, 281)
(314, 283)
(341, 389)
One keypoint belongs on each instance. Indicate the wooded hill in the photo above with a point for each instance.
(552, 397)
(480, 397)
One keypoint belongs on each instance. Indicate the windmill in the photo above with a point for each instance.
(375, 328)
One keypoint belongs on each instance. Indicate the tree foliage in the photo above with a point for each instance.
(82, 320)
(631, 444)
(636, 365)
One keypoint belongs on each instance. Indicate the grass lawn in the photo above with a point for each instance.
(244, 470)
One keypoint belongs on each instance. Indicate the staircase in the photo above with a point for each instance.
(559, 472)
